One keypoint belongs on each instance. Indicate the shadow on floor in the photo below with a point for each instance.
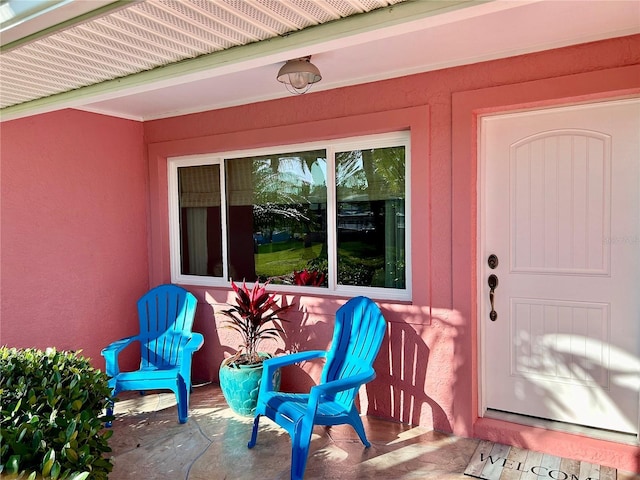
(148, 442)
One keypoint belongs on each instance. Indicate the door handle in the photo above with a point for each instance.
(493, 283)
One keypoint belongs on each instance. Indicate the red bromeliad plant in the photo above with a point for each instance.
(306, 277)
(253, 310)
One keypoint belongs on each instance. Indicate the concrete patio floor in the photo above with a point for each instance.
(149, 443)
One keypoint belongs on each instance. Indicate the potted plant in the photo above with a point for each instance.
(253, 316)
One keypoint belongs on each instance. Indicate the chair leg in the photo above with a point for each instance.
(109, 423)
(357, 425)
(300, 449)
(254, 433)
(112, 385)
(182, 396)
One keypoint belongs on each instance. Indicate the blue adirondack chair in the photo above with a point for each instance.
(359, 330)
(167, 344)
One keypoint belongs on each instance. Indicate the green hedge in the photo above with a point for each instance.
(52, 416)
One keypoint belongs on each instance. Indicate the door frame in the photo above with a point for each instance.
(481, 310)
(466, 106)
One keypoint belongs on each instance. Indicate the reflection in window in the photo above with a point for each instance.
(277, 209)
(200, 220)
(370, 195)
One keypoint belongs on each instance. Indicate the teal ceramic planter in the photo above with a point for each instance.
(241, 385)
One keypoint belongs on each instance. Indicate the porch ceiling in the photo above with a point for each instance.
(157, 58)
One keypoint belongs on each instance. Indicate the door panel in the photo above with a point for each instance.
(560, 203)
(560, 207)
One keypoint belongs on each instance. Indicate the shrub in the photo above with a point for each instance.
(51, 416)
(353, 273)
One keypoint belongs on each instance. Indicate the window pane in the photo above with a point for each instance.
(200, 220)
(277, 208)
(370, 193)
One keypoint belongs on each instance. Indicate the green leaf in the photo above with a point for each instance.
(71, 455)
(13, 464)
(79, 476)
(37, 439)
(71, 428)
(55, 470)
(47, 462)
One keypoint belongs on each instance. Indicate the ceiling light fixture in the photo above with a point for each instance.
(298, 75)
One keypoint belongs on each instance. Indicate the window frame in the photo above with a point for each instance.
(392, 139)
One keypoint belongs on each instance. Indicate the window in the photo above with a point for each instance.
(327, 217)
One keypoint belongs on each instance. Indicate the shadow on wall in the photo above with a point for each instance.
(221, 342)
(207, 360)
(305, 331)
(398, 391)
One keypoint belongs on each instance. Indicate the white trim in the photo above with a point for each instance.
(223, 220)
(332, 222)
(174, 220)
(481, 155)
(401, 138)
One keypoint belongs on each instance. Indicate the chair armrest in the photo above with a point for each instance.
(111, 352)
(342, 384)
(278, 362)
(194, 343)
(270, 365)
(329, 389)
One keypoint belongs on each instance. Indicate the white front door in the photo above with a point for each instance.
(559, 206)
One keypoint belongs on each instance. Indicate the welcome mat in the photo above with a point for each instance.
(493, 461)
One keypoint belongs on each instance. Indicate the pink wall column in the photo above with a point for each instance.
(73, 248)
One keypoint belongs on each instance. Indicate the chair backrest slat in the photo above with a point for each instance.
(165, 315)
(358, 334)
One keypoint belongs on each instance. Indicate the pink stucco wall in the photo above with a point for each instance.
(427, 372)
(73, 230)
